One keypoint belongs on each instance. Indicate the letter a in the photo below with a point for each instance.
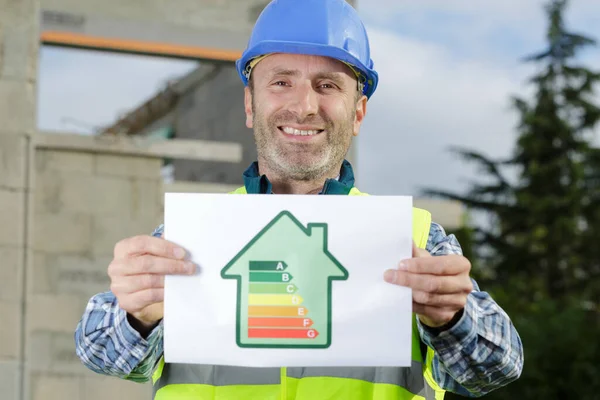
(279, 266)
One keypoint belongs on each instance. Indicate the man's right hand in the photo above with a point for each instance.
(137, 273)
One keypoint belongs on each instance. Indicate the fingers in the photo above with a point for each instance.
(136, 302)
(434, 316)
(453, 301)
(444, 265)
(440, 285)
(418, 252)
(138, 271)
(430, 283)
(144, 244)
(150, 264)
(137, 283)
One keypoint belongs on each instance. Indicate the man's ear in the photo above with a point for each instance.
(248, 107)
(361, 111)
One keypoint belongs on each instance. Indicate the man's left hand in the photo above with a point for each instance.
(440, 285)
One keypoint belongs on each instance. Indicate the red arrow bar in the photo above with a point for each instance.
(258, 333)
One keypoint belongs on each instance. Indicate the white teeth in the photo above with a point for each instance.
(292, 131)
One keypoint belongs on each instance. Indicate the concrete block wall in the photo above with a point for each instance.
(194, 14)
(84, 203)
(215, 15)
(18, 60)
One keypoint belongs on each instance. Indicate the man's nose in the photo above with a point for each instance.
(305, 101)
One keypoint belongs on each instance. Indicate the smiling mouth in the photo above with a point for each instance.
(299, 132)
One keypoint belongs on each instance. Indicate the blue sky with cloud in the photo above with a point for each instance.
(447, 70)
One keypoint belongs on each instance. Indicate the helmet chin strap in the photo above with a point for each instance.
(360, 78)
(252, 63)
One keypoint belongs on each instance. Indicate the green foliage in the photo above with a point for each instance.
(540, 255)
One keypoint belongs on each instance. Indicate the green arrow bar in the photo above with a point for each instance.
(270, 277)
(267, 266)
(273, 288)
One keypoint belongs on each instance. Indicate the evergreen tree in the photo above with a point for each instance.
(540, 253)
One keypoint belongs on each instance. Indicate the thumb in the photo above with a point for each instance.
(418, 252)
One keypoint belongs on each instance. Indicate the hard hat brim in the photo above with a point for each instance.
(273, 46)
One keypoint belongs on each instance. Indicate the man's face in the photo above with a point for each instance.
(304, 111)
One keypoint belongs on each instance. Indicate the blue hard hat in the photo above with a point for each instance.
(329, 28)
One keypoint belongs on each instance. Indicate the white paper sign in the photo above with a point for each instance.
(288, 280)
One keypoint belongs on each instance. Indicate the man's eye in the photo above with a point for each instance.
(280, 83)
(327, 86)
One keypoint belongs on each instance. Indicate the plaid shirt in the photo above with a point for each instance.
(481, 352)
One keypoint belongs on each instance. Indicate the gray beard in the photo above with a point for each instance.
(285, 162)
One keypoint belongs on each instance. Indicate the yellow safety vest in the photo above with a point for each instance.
(217, 382)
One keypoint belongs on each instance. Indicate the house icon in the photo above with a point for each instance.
(285, 279)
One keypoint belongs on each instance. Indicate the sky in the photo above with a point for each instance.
(447, 73)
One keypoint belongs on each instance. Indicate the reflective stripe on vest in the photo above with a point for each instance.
(312, 383)
(216, 382)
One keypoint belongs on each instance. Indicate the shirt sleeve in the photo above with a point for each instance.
(106, 343)
(482, 351)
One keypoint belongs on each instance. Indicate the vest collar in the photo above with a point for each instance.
(260, 184)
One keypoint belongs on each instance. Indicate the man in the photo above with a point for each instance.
(308, 77)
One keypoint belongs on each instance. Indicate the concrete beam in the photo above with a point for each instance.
(449, 214)
(143, 147)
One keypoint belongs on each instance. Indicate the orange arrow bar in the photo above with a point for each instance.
(280, 322)
(276, 311)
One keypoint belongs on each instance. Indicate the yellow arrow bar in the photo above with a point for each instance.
(274, 299)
